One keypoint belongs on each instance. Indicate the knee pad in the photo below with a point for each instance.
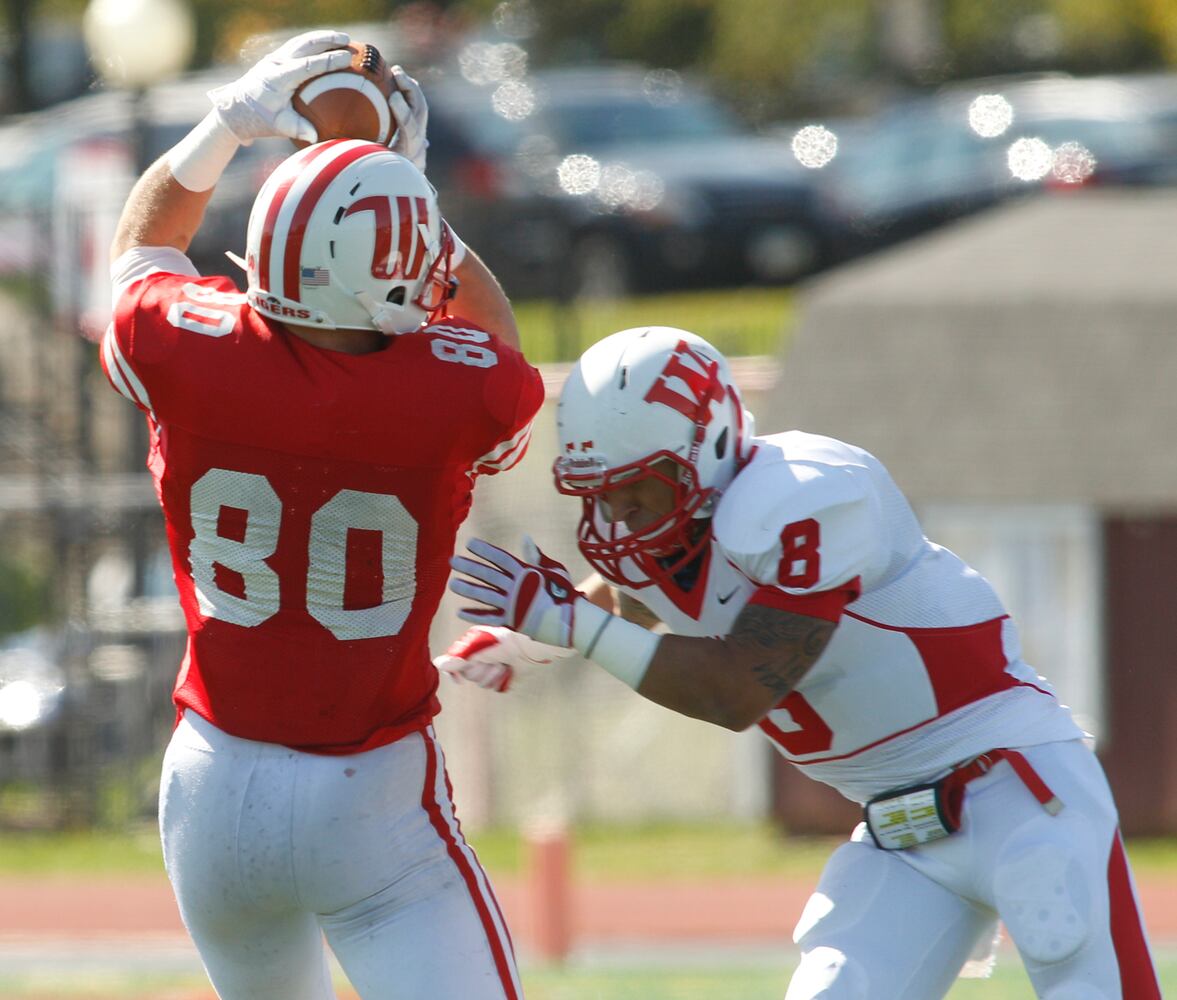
(1045, 902)
(828, 974)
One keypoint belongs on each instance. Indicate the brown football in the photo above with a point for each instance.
(350, 103)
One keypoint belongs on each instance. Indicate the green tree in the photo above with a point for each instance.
(24, 594)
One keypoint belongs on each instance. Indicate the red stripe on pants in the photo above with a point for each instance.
(429, 800)
(1138, 978)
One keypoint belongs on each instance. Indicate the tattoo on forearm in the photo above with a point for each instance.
(633, 610)
(795, 642)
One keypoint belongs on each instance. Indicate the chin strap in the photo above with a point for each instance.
(382, 316)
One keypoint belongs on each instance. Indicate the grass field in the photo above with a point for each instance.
(743, 322)
(652, 851)
(664, 979)
(751, 982)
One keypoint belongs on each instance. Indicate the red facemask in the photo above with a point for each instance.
(656, 552)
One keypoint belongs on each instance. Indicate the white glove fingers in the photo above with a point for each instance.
(411, 112)
(311, 43)
(290, 123)
(452, 665)
(531, 552)
(399, 107)
(258, 103)
(404, 82)
(494, 555)
(490, 575)
(291, 74)
(490, 596)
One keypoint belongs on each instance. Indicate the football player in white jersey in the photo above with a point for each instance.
(800, 595)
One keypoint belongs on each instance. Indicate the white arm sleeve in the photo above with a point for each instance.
(139, 262)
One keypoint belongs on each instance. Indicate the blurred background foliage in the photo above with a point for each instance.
(24, 589)
(782, 57)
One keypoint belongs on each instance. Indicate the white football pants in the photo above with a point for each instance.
(269, 850)
(899, 925)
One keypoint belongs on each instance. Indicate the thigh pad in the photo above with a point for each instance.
(1044, 900)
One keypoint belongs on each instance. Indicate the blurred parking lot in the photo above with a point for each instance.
(925, 161)
(609, 180)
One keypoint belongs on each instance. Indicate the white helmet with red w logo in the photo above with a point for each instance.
(649, 402)
(348, 234)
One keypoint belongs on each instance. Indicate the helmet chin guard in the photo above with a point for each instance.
(649, 402)
(347, 235)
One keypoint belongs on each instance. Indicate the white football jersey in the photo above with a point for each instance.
(924, 669)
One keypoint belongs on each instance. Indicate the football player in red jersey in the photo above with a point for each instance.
(313, 444)
(801, 595)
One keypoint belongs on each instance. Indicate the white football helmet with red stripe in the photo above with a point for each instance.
(650, 401)
(347, 234)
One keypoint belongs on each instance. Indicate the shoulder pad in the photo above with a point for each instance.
(777, 514)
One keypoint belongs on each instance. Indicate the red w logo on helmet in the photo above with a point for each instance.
(699, 374)
(410, 253)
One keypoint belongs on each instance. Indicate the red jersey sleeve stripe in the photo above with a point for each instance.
(507, 455)
(827, 604)
(119, 371)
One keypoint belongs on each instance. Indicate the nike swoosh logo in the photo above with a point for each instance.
(724, 598)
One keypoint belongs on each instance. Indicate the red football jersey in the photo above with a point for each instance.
(312, 500)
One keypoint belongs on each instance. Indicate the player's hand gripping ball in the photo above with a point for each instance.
(351, 103)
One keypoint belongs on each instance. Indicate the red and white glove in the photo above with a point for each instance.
(533, 595)
(411, 114)
(489, 656)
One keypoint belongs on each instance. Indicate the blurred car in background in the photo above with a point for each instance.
(609, 180)
(928, 160)
(596, 181)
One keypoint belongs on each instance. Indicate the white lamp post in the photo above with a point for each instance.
(137, 43)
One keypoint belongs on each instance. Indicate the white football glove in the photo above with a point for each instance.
(258, 104)
(490, 656)
(533, 595)
(411, 113)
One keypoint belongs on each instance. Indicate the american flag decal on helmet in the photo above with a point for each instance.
(315, 277)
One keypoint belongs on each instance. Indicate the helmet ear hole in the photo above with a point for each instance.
(721, 444)
(396, 296)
